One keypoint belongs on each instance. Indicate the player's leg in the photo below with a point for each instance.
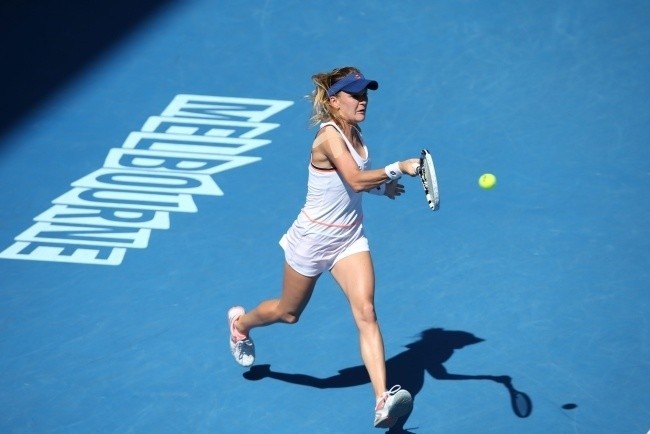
(296, 292)
(356, 277)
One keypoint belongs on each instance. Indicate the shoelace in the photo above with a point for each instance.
(393, 390)
(384, 397)
(242, 349)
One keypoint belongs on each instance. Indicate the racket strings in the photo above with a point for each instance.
(424, 177)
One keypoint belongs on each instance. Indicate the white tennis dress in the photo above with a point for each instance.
(329, 226)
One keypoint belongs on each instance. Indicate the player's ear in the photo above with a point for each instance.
(334, 102)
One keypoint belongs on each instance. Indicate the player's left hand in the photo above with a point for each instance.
(394, 189)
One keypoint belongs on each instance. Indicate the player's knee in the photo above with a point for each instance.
(367, 313)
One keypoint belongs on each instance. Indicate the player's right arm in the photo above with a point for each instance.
(330, 151)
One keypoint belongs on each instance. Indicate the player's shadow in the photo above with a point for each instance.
(408, 369)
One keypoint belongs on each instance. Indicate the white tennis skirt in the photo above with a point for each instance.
(311, 253)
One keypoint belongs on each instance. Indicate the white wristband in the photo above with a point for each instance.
(393, 171)
(379, 190)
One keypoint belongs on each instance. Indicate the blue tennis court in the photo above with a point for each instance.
(152, 156)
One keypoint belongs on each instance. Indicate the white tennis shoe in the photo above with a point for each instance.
(241, 346)
(392, 405)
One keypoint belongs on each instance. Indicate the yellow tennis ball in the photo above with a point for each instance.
(487, 181)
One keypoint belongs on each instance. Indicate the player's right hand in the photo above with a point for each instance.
(410, 166)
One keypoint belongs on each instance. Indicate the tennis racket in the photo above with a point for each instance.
(427, 172)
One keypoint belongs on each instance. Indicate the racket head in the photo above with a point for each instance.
(521, 403)
(429, 180)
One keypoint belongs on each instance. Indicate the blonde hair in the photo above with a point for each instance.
(321, 111)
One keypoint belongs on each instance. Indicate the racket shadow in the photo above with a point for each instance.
(427, 355)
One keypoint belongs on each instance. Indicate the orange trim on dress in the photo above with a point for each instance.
(331, 225)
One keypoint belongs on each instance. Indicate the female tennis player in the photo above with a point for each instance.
(328, 233)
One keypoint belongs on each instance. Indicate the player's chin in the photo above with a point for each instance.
(361, 115)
